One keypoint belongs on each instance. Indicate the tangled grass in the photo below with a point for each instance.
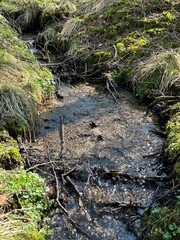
(161, 71)
(18, 110)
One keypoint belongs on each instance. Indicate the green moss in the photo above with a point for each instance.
(95, 30)
(177, 171)
(155, 31)
(120, 47)
(98, 57)
(173, 141)
(26, 191)
(9, 152)
(10, 157)
(160, 20)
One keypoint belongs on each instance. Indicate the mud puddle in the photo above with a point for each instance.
(101, 160)
(110, 167)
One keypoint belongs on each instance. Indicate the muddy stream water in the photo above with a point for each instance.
(110, 168)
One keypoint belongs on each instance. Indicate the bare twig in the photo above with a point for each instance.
(66, 173)
(41, 164)
(74, 186)
(61, 135)
(57, 184)
(108, 88)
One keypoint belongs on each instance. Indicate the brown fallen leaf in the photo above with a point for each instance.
(3, 200)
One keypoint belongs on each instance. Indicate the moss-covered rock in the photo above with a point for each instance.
(10, 157)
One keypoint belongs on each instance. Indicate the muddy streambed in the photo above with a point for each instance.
(103, 161)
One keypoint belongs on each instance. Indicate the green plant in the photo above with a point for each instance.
(173, 130)
(26, 192)
(161, 223)
(159, 71)
(18, 110)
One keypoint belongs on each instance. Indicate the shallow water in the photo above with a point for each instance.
(110, 168)
(111, 152)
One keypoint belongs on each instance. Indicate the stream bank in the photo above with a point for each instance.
(139, 41)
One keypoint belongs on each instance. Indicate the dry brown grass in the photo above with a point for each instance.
(162, 68)
(17, 108)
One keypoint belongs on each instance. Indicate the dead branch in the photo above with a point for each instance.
(52, 64)
(66, 173)
(74, 186)
(61, 135)
(41, 164)
(108, 88)
(57, 184)
(165, 98)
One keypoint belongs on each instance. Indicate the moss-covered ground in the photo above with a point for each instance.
(136, 42)
(24, 87)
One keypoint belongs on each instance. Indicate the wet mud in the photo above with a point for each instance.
(105, 157)
(102, 160)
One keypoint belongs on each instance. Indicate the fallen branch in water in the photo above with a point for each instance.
(61, 135)
(58, 196)
(66, 173)
(41, 164)
(74, 186)
(57, 184)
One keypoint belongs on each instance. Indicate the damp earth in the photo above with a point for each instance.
(104, 156)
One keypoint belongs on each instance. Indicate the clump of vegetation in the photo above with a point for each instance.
(24, 86)
(98, 57)
(173, 141)
(160, 71)
(22, 203)
(177, 171)
(19, 111)
(162, 223)
(10, 157)
(136, 41)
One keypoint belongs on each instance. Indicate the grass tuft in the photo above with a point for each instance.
(161, 71)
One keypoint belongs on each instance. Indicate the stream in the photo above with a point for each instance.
(103, 158)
